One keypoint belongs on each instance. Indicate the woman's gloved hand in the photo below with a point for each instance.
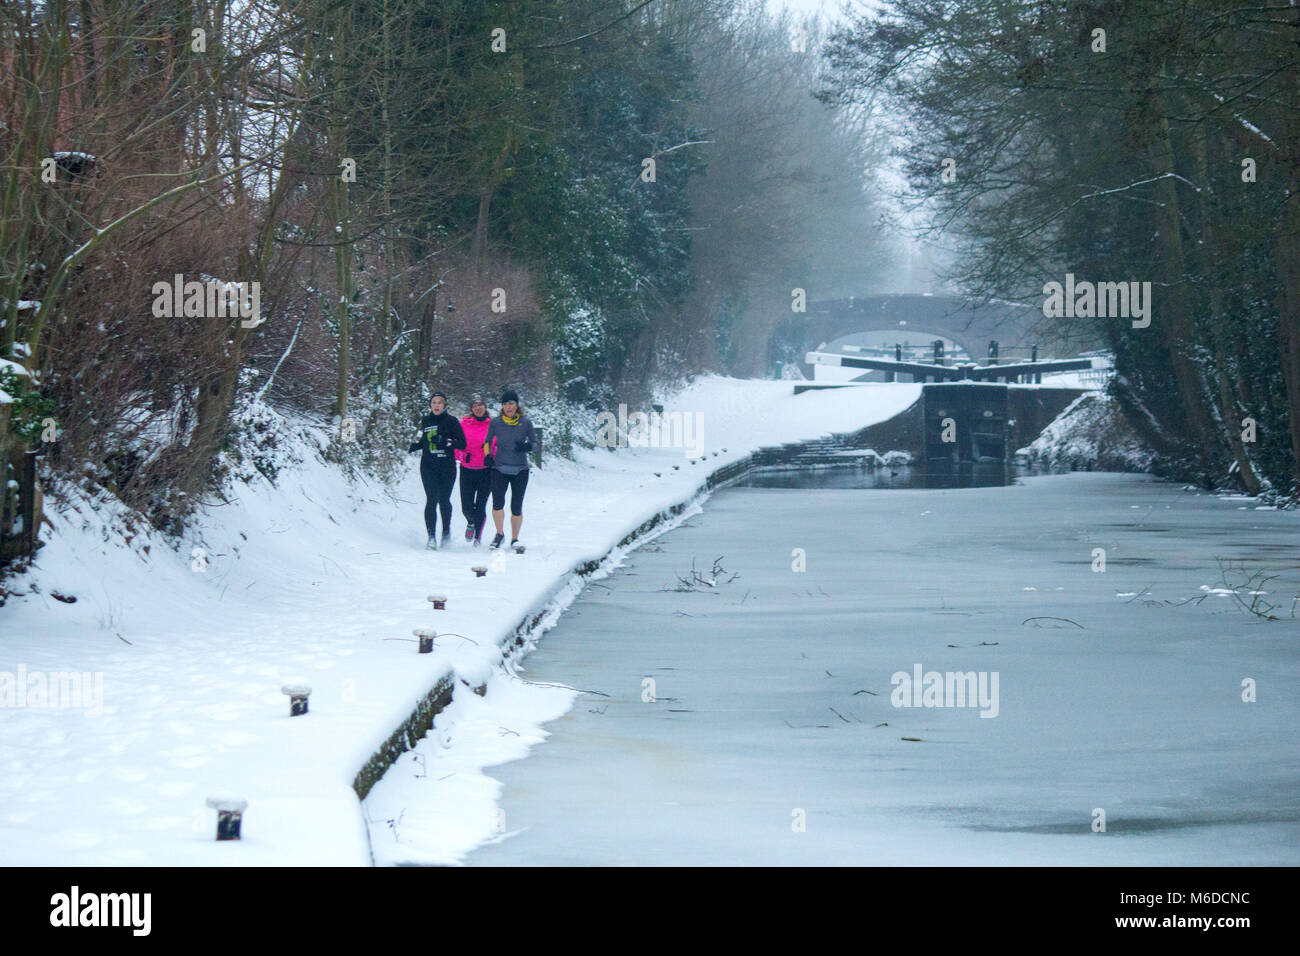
(524, 444)
(489, 461)
(415, 446)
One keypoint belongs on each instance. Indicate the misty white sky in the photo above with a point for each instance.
(829, 9)
(917, 264)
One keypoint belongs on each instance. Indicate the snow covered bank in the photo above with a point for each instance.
(311, 581)
(1090, 435)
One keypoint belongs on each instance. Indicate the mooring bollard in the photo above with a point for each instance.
(426, 636)
(439, 601)
(230, 811)
(479, 570)
(297, 694)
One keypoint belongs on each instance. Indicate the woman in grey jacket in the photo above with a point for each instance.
(510, 437)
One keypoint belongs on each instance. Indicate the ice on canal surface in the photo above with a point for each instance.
(754, 721)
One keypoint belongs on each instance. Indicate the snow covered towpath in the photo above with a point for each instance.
(181, 655)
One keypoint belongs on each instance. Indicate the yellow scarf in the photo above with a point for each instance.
(510, 421)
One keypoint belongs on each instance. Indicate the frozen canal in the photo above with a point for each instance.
(772, 739)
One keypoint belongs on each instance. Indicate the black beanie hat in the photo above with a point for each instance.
(509, 395)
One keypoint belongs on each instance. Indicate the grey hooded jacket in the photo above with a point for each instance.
(501, 440)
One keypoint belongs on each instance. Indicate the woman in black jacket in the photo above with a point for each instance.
(440, 434)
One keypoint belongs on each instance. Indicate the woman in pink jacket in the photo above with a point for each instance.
(475, 478)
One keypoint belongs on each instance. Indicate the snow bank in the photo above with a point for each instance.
(1090, 435)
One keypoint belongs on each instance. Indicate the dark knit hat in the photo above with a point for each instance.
(509, 395)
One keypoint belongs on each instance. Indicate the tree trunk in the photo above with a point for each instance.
(424, 353)
(478, 248)
(343, 227)
(1229, 405)
(1287, 255)
(1175, 317)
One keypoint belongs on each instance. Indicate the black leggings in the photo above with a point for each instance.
(517, 484)
(438, 478)
(475, 484)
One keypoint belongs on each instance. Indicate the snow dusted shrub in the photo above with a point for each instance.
(577, 338)
(371, 440)
(1281, 499)
(563, 424)
(261, 441)
(1092, 434)
(28, 408)
(144, 399)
